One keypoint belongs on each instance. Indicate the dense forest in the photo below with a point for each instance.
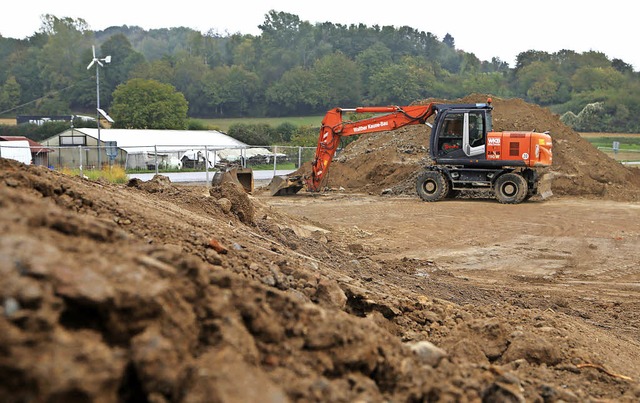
(296, 68)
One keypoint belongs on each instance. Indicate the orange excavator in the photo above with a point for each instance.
(466, 153)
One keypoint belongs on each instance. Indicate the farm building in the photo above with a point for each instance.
(139, 149)
(39, 154)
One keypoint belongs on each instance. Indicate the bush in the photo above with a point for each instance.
(193, 124)
(253, 134)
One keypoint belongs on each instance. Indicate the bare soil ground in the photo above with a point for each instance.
(162, 293)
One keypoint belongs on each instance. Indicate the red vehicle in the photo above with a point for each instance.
(466, 153)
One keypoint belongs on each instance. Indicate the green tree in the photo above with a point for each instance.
(123, 60)
(9, 94)
(65, 56)
(285, 131)
(450, 59)
(210, 48)
(402, 83)
(148, 104)
(232, 91)
(253, 134)
(596, 78)
(449, 41)
(621, 66)
(593, 58)
(538, 82)
(524, 59)
(470, 64)
(296, 92)
(162, 70)
(23, 67)
(486, 83)
(543, 91)
(495, 65)
(370, 61)
(305, 136)
(188, 77)
(279, 47)
(243, 51)
(338, 81)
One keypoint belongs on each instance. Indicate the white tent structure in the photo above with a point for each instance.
(142, 148)
(235, 154)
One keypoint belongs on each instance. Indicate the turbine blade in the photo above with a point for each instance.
(91, 64)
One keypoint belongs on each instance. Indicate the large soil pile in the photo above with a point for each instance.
(391, 160)
(155, 293)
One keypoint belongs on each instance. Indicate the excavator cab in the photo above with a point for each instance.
(460, 134)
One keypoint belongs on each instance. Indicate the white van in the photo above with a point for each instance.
(18, 150)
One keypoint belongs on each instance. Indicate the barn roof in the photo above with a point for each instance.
(34, 145)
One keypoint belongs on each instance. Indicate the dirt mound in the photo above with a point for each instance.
(390, 161)
(233, 198)
(156, 292)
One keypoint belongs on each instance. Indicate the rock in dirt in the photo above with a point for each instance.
(235, 195)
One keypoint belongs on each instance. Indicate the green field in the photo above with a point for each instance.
(604, 140)
(224, 124)
(629, 145)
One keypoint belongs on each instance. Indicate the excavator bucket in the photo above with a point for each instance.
(245, 177)
(544, 185)
(241, 176)
(285, 185)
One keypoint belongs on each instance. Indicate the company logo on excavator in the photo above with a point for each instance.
(370, 126)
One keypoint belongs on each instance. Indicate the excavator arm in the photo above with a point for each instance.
(333, 128)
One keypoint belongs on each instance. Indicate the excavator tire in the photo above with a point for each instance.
(511, 188)
(432, 186)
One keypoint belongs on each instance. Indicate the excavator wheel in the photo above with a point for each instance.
(432, 186)
(511, 188)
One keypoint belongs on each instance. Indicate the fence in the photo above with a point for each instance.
(159, 159)
(625, 156)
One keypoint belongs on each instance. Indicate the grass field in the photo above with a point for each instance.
(224, 124)
(597, 134)
(629, 147)
(627, 142)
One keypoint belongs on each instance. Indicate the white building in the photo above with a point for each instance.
(137, 148)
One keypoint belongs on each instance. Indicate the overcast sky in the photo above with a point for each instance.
(495, 28)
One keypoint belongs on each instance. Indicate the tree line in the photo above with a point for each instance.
(295, 68)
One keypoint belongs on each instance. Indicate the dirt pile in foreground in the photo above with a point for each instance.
(391, 160)
(152, 292)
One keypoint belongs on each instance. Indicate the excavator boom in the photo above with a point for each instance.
(333, 128)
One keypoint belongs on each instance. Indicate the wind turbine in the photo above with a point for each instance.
(98, 63)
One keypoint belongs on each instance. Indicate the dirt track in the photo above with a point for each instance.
(575, 256)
